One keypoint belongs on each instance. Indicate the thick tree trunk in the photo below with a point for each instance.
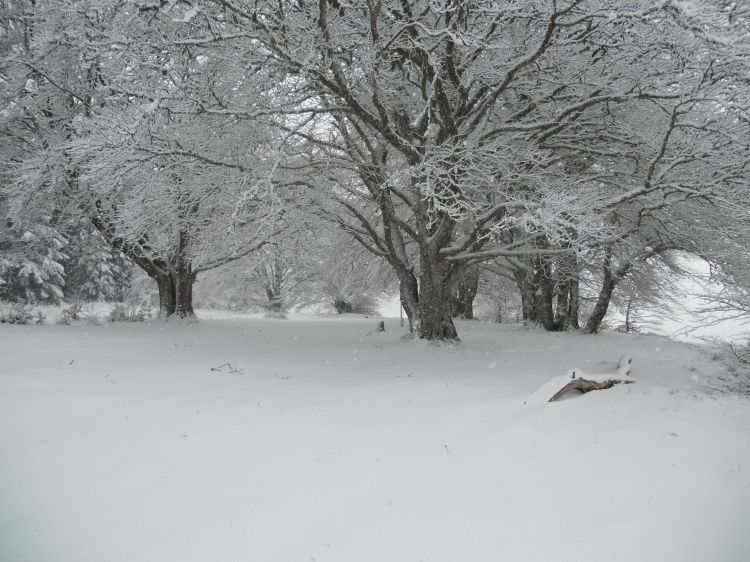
(183, 280)
(175, 293)
(527, 289)
(544, 304)
(167, 296)
(409, 292)
(545, 295)
(435, 321)
(181, 272)
(174, 278)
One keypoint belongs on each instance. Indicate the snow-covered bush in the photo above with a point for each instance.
(71, 314)
(356, 304)
(18, 313)
(129, 313)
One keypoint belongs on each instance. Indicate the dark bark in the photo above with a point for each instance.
(183, 280)
(182, 276)
(544, 296)
(392, 243)
(574, 303)
(435, 321)
(602, 304)
(526, 287)
(409, 292)
(167, 294)
(528, 301)
(562, 309)
(609, 282)
(175, 293)
(342, 306)
(566, 314)
(549, 292)
(174, 277)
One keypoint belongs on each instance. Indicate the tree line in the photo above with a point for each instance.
(569, 145)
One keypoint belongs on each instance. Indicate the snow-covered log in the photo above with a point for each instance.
(585, 382)
(578, 379)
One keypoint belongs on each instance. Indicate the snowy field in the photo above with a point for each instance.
(325, 441)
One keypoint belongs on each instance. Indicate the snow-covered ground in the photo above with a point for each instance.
(327, 441)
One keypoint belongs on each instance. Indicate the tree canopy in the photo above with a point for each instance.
(563, 141)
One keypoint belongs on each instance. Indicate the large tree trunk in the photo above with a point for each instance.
(181, 272)
(545, 301)
(183, 280)
(167, 294)
(435, 321)
(175, 293)
(409, 292)
(174, 278)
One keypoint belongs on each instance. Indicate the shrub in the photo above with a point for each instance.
(72, 313)
(360, 304)
(129, 313)
(21, 314)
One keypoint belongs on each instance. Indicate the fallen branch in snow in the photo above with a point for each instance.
(227, 368)
(577, 379)
(584, 382)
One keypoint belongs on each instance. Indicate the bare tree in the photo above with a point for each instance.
(117, 135)
(464, 120)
